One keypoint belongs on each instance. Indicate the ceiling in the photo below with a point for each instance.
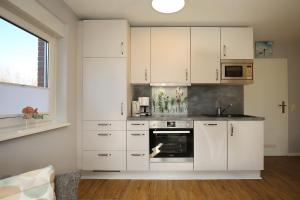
(277, 20)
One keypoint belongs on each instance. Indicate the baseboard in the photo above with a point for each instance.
(173, 175)
(293, 154)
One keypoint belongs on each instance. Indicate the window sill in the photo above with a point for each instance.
(21, 132)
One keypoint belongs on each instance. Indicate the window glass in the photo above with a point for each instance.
(23, 56)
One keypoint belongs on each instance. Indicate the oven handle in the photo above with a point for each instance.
(171, 132)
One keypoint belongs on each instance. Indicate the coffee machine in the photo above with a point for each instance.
(144, 106)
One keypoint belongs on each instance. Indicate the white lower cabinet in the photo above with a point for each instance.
(104, 140)
(137, 160)
(137, 146)
(210, 145)
(245, 145)
(104, 160)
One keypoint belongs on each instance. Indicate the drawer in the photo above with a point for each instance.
(104, 125)
(137, 161)
(138, 140)
(137, 125)
(104, 140)
(104, 160)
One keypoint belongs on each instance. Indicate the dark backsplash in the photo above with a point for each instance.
(204, 99)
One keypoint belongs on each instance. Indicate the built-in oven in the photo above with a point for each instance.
(171, 142)
(237, 71)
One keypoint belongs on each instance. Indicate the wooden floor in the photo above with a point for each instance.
(281, 180)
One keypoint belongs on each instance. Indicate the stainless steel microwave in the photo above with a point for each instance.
(237, 71)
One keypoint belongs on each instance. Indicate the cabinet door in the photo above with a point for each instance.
(105, 38)
(205, 55)
(170, 55)
(237, 43)
(140, 55)
(137, 161)
(245, 145)
(210, 151)
(104, 89)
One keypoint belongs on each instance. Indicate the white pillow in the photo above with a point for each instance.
(37, 184)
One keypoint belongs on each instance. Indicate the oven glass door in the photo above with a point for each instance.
(175, 143)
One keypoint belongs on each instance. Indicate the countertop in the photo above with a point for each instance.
(194, 118)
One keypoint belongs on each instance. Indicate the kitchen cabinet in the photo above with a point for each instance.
(237, 43)
(137, 145)
(170, 55)
(105, 38)
(140, 55)
(205, 55)
(210, 145)
(104, 89)
(245, 145)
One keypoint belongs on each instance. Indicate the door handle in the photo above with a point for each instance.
(282, 105)
(122, 48)
(122, 105)
(186, 74)
(217, 74)
(104, 134)
(146, 75)
(231, 129)
(224, 50)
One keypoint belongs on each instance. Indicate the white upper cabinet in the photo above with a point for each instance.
(105, 38)
(140, 55)
(210, 145)
(205, 55)
(237, 43)
(245, 145)
(104, 89)
(170, 55)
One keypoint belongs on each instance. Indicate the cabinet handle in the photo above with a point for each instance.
(232, 130)
(122, 48)
(186, 74)
(104, 124)
(104, 134)
(137, 134)
(217, 74)
(122, 104)
(104, 154)
(137, 154)
(146, 75)
(211, 124)
(224, 50)
(138, 124)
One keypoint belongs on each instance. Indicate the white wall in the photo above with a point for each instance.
(292, 53)
(56, 147)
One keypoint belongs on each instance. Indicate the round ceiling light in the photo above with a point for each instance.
(168, 6)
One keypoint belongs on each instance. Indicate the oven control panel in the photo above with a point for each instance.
(171, 124)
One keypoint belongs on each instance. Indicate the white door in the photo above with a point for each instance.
(210, 145)
(140, 55)
(205, 55)
(104, 89)
(263, 98)
(170, 55)
(105, 38)
(237, 43)
(245, 145)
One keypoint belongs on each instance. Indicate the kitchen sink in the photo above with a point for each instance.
(226, 115)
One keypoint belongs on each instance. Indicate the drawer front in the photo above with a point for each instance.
(137, 125)
(138, 140)
(104, 160)
(104, 125)
(104, 140)
(137, 161)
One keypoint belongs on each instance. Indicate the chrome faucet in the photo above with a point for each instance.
(221, 110)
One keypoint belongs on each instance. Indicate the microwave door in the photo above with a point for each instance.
(234, 71)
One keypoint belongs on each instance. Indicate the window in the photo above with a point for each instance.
(24, 68)
(23, 56)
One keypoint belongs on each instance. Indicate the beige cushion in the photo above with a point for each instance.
(37, 184)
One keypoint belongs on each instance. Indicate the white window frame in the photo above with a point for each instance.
(17, 120)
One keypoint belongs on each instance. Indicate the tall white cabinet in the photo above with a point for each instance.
(205, 55)
(104, 94)
(170, 55)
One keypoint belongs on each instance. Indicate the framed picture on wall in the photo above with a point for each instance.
(263, 49)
